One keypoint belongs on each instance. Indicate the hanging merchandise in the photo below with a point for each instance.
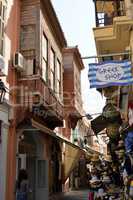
(121, 144)
(131, 189)
(113, 131)
(129, 142)
(130, 113)
(111, 113)
(109, 91)
(120, 154)
(124, 129)
(95, 158)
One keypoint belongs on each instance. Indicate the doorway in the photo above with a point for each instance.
(27, 160)
(31, 158)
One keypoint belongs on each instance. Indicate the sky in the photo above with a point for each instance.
(77, 18)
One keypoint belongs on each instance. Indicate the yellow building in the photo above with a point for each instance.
(114, 41)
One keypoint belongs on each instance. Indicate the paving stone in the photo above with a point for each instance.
(73, 195)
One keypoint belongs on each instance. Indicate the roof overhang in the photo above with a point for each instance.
(76, 54)
(54, 21)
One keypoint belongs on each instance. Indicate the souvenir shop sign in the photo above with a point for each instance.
(110, 73)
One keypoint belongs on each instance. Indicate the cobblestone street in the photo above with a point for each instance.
(73, 195)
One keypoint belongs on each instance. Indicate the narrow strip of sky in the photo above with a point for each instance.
(77, 18)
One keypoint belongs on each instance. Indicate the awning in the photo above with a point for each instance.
(98, 124)
(71, 157)
(48, 131)
(70, 152)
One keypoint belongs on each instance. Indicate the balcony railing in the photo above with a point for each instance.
(37, 94)
(107, 10)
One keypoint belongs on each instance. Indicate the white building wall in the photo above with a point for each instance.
(4, 113)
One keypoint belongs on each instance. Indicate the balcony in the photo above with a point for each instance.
(41, 101)
(112, 24)
(106, 10)
(110, 39)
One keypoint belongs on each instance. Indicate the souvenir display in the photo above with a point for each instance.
(113, 131)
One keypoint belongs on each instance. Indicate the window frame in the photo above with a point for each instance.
(58, 90)
(52, 68)
(2, 27)
(45, 58)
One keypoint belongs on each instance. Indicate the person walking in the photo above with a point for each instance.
(22, 185)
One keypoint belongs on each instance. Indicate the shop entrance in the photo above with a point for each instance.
(27, 160)
(31, 158)
(56, 167)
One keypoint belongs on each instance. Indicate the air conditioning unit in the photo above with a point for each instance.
(18, 61)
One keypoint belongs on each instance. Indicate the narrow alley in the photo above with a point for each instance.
(66, 99)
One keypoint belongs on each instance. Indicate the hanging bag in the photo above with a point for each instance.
(130, 182)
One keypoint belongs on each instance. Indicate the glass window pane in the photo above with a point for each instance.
(2, 18)
(0, 9)
(58, 70)
(45, 47)
(52, 80)
(3, 14)
(1, 47)
(44, 70)
(52, 60)
(58, 88)
(2, 30)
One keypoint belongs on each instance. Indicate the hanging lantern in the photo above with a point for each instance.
(111, 113)
(2, 91)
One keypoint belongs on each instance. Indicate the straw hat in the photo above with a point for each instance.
(95, 182)
(95, 158)
(108, 158)
(106, 178)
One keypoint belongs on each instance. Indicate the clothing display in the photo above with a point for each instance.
(129, 142)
